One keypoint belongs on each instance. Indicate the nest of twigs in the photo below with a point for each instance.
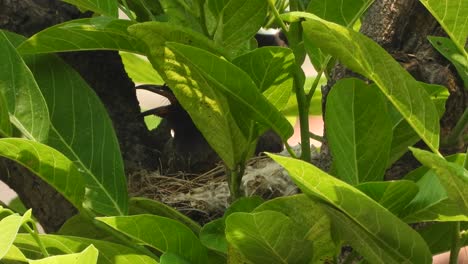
(204, 197)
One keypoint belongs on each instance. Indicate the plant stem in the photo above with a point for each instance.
(303, 107)
(458, 131)
(35, 234)
(290, 150)
(455, 244)
(316, 137)
(276, 14)
(235, 181)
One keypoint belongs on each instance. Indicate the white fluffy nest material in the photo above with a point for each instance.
(209, 192)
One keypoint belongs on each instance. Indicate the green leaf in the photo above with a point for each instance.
(5, 125)
(234, 22)
(308, 215)
(156, 34)
(364, 56)
(213, 236)
(183, 13)
(145, 10)
(339, 12)
(393, 195)
(268, 237)
(87, 256)
(437, 238)
(83, 226)
(271, 68)
(163, 234)
(236, 85)
(100, 161)
(97, 33)
(109, 253)
(26, 106)
(368, 227)
(139, 69)
(450, 16)
(104, 7)
(169, 258)
(140, 205)
(49, 164)
(244, 205)
(13, 256)
(358, 130)
(9, 227)
(449, 50)
(453, 177)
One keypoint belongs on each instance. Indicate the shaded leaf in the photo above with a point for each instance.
(368, 227)
(109, 253)
(243, 204)
(83, 226)
(183, 13)
(97, 33)
(358, 130)
(450, 16)
(271, 68)
(449, 50)
(213, 236)
(139, 69)
(169, 258)
(393, 195)
(26, 106)
(140, 205)
(104, 7)
(49, 164)
(164, 234)
(88, 256)
(9, 227)
(268, 237)
(5, 125)
(453, 177)
(364, 56)
(308, 215)
(437, 238)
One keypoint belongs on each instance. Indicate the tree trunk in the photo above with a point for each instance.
(401, 27)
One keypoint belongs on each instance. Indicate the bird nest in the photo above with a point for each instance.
(205, 197)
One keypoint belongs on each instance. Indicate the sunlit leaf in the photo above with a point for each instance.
(9, 227)
(164, 234)
(13, 256)
(139, 69)
(97, 33)
(49, 164)
(364, 56)
(88, 256)
(268, 237)
(358, 130)
(109, 253)
(368, 227)
(25, 104)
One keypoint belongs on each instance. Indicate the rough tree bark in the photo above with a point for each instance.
(402, 27)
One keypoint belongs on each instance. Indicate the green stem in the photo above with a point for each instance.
(316, 137)
(303, 107)
(290, 150)
(458, 131)
(35, 234)
(276, 14)
(454, 251)
(235, 181)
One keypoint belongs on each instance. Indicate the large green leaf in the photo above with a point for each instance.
(105, 7)
(393, 195)
(97, 33)
(109, 253)
(234, 22)
(9, 227)
(163, 234)
(88, 256)
(268, 237)
(448, 48)
(364, 56)
(26, 106)
(368, 227)
(452, 17)
(237, 86)
(453, 177)
(139, 69)
(140, 205)
(156, 34)
(358, 130)
(5, 125)
(49, 164)
(183, 13)
(82, 131)
(271, 68)
(308, 215)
